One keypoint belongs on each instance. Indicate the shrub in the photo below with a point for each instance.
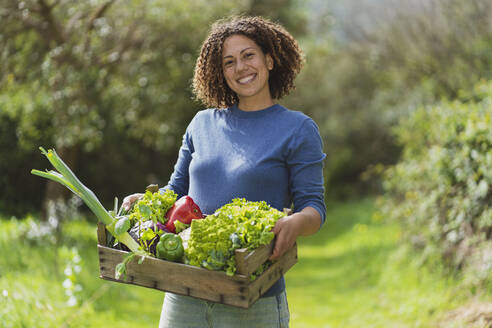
(441, 189)
(374, 64)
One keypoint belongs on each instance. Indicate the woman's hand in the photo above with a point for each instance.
(286, 231)
(129, 200)
(288, 228)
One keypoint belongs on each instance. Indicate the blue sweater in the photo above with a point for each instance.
(274, 154)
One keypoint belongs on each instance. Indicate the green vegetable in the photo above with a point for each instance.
(170, 247)
(147, 234)
(215, 261)
(236, 242)
(180, 226)
(66, 177)
(122, 225)
(238, 224)
(148, 216)
(153, 206)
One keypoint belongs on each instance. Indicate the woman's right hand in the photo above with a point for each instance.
(129, 200)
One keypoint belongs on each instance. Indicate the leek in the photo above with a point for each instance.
(67, 178)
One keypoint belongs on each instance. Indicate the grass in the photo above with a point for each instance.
(352, 273)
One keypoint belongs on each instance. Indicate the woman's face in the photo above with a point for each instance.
(246, 69)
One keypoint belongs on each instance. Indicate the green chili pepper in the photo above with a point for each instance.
(170, 247)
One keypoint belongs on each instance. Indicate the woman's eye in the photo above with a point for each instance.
(249, 55)
(228, 63)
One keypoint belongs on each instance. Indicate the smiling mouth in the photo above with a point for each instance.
(246, 79)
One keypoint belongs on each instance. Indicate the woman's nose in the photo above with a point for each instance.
(240, 66)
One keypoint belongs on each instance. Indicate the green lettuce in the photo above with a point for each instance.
(238, 224)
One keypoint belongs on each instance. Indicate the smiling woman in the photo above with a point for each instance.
(247, 146)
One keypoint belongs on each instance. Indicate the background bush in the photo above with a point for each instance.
(441, 190)
(370, 63)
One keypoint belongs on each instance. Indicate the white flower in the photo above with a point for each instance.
(76, 258)
(68, 271)
(72, 301)
(67, 283)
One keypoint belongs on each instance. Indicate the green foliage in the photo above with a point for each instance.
(441, 190)
(21, 192)
(364, 73)
(43, 284)
(371, 280)
(107, 82)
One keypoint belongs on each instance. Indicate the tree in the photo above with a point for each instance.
(101, 81)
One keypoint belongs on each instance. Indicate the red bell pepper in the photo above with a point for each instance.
(184, 210)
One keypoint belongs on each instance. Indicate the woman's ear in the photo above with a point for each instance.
(269, 62)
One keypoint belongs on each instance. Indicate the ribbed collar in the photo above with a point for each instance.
(234, 110)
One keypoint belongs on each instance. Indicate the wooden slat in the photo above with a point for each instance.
(101, 234)
(248, 261)
(239, 257)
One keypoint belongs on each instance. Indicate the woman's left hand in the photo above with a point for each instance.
(288, 228)
(286, 231)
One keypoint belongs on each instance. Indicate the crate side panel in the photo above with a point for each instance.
(258, 257)
(248, 261)
(177, 278)
(272, 274)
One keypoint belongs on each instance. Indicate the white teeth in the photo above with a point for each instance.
(247, 79)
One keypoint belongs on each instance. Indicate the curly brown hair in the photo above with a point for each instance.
(209, 84)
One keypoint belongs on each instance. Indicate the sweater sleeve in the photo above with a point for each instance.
(180, 180)
(305, 163)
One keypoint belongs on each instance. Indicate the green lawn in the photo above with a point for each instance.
(351, 274)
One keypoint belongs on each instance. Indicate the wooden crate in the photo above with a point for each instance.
(197, 282)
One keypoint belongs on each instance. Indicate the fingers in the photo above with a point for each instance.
(280, 245)
(285, 236)
(278, 240)
(129, 200)
(275, 254)
(126, 203)
(279, 249)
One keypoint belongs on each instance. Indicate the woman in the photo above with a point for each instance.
(248, 146)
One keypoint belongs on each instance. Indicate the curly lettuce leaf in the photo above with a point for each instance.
(238, 224)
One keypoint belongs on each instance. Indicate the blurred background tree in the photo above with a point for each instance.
(107, 83)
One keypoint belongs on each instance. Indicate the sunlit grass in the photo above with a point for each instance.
(352, 273)
(32, 276)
